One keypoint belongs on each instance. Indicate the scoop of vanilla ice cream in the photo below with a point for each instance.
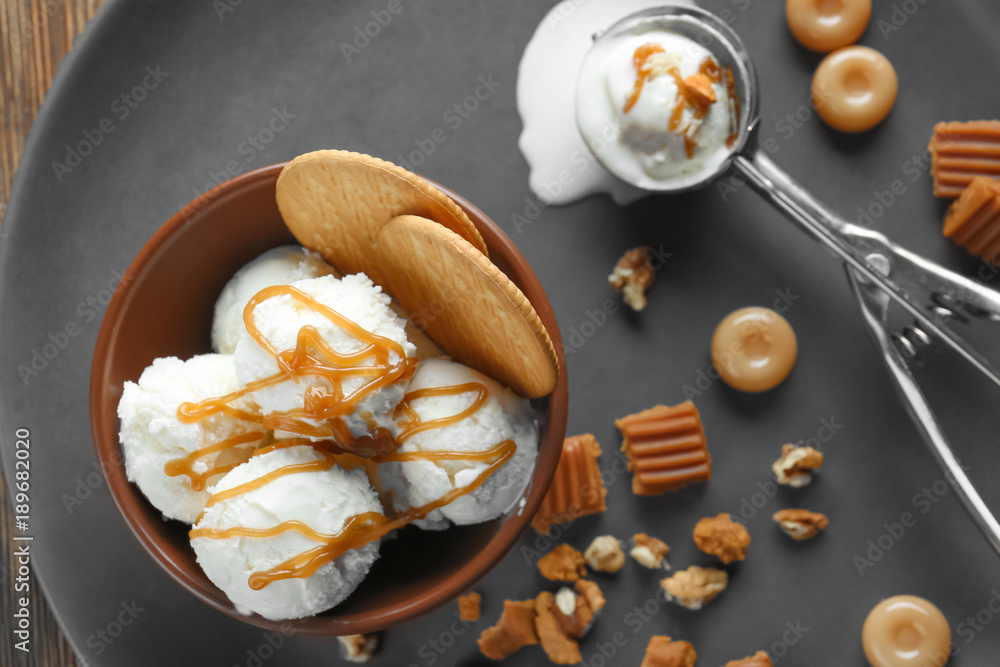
(639, 143)
(278, 266)
(151, 435)
(280, 318)
(504, 416)
(324, 500)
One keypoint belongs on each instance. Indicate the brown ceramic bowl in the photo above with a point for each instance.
(163, 307)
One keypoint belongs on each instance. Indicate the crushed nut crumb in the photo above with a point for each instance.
(664, 652)
(758, 659)
(801, 524)
(605, 554)
(721, 536)
(560, 647)
(796, 465)
(468, 607)
(564, 618)
(358, 648)
(516, 628)
(695, 586)
(564, 563)
(632, 275)
(649, 551)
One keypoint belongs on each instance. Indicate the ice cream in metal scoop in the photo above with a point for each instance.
(930, 293)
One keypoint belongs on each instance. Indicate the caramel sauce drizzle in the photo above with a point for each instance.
(709, 68)
(360, 529)
(312, 356)
(185, 464)
(413, 424)
(642, 73)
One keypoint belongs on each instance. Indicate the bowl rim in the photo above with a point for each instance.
(104, 429)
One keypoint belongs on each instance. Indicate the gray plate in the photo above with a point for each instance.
(69, 234)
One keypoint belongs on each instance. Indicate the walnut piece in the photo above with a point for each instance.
(649, 551)
(564, 563)
(564, 618)
(796, 464)
(516, 628)
(722, 537)
(695, 586)
(664, 652)
(758, 659)
(801, 524)
(633, 275)
(468, 606)
(358, 648)
(605, 554)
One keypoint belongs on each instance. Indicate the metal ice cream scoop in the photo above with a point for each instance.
(879, 270)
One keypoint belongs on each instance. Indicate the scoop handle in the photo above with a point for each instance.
(903, 275)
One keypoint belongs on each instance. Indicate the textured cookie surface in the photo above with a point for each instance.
(466, 304)
(335, 202)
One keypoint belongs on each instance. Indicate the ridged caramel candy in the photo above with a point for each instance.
(666, 448)
(577, 489)
(973, 221)
(962, 151)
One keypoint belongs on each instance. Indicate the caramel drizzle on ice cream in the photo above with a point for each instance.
(643, 73)
(360, 529)
(647, 68)
(414, 424)
(184, 465)
(312, 356)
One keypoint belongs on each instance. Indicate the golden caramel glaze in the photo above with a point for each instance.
(184, 465)
(312, 357)
(694, 92)
(359, 530)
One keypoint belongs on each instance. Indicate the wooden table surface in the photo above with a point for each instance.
(35, 36)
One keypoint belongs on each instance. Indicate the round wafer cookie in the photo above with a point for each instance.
(335, 202)
(467, 305)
